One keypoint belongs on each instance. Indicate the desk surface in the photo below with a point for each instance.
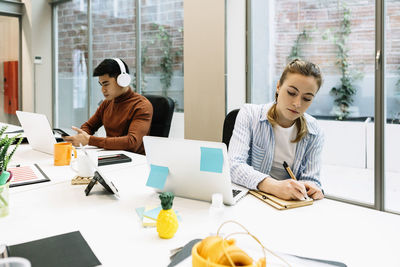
(327, 230)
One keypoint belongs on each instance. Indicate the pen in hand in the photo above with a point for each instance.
(289, 171)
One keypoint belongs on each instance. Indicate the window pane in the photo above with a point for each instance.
(162, 49)
(9, 57)
(392, 84)
(339, 36)
(113, 36)
(71, 93)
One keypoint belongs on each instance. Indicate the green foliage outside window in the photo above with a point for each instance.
(344, 93)
(295, 52)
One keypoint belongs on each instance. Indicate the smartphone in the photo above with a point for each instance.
(59, 131)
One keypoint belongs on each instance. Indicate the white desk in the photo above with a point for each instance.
(326, 230)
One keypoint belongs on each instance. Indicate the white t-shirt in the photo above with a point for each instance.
(284, 151)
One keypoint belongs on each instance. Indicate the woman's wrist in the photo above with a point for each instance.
(267, 185)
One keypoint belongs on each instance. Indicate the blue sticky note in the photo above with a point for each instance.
(211, 160)
(157, 177)
(152, 214)
(140, 211)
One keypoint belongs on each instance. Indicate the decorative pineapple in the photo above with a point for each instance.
(167, 222)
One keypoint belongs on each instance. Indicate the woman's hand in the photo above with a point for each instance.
(313, 190)
(288, 189)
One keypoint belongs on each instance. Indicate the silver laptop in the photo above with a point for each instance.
(38, 131)
(185, 179)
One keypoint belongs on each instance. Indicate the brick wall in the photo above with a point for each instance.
(293, 16)
(114, 32)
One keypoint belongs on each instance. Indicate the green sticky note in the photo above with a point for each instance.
(158, 176)
(212, 159)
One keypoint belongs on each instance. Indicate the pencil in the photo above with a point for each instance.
(289, 171)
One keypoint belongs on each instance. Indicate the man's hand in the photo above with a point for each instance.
(313, 190)
(82, 137)
(288, 189)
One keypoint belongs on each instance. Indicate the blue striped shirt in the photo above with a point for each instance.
(251, 148)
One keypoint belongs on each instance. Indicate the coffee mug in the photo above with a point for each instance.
(62, 153)
(85, 164)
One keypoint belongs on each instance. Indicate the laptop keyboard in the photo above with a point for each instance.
(235, 192)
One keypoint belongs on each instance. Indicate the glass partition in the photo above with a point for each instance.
(162, 49)
(71, 95)
(339, 36)
(392, 84)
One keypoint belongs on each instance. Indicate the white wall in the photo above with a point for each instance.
(351, 144)
(41, 46)
(27, 58)
(236, 54)
(36, 40)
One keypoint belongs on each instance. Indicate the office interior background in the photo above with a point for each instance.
(214, 63)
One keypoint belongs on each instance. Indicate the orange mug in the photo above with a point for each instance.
(62, 153)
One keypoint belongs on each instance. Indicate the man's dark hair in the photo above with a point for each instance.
(109, 66)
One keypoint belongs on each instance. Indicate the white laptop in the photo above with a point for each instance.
(38, 131)
(185, 179)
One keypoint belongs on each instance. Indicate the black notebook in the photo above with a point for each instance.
(113, 159)
(63, 250)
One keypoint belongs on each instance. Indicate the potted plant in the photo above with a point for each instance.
(5, 157)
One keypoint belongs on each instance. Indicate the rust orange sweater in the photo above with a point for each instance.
(126, 120)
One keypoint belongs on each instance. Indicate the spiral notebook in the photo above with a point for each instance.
(28, 174)
(280, 204)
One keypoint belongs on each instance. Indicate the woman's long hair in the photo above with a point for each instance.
(304, 68)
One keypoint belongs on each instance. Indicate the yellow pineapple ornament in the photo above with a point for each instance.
(167, 222)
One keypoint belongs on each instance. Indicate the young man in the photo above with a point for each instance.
(126, 115)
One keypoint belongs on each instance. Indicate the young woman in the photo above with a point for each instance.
(267, 135)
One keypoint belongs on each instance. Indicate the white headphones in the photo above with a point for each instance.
(123, 79)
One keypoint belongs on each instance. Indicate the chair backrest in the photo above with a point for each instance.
(229, 124)
(163, 109)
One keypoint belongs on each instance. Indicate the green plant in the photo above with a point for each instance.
(167, 58)
(395, 118)
(143, 62)
(398, 82)
(5, 143)
(345, 91)
(295, 52)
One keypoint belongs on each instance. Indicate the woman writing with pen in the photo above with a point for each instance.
(266, 136)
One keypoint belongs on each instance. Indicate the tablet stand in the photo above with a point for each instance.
(98, 178)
